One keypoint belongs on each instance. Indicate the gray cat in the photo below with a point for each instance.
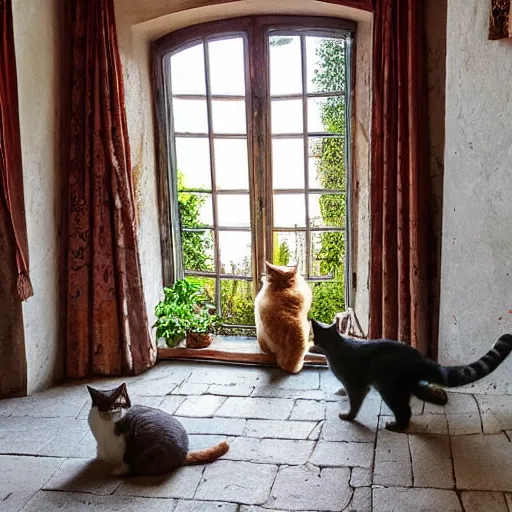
(141, 440)
(397, 371)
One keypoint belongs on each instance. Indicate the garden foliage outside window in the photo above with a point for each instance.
(257, 131)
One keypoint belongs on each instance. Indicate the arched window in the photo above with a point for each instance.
(253, 140)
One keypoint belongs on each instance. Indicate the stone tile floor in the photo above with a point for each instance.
(289, 450)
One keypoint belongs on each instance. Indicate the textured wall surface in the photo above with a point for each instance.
(36, 45)
(476, 279)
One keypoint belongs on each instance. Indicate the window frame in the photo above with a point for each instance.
(259, 138)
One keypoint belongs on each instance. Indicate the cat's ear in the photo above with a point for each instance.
(119, 391)
(96, 396)
(319, 326)
(121, 388)
(295, 269)
(124, 394)
(318, 329)
(119, 397)
(276, 270)
(271, 268)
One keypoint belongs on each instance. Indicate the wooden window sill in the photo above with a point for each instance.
(247, 351)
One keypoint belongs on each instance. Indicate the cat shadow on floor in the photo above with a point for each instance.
(276, 376)
(81, 475)
(96, 476)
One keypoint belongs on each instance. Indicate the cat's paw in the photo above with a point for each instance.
(120, 470)
(393, 426)
(439, 394)
(346, 416)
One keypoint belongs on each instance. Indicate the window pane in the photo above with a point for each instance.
(285, 65)
(327, 210)
(233, 210)
(289, 210)
(227, 68)
(190, 116)
(287, 116)
(326, 115)
(237, 302)
(195, 210)
(187, 71)
(193, 163)
(208, 285)
(288, 163)
(290, 249)
(235, 253)
(325, 64)
(327, 254)
(328, 299)
(229, 116)
(327, 163)
(198, 250)
(231, 164)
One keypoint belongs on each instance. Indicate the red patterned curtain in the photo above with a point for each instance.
(11, 169)
(14, 279)
(106, 323)
(401, 225)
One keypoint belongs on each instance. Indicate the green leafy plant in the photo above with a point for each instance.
(196, 245)
(183, 309)
(329, 297)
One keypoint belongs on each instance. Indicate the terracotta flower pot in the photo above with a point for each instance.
(199, 339)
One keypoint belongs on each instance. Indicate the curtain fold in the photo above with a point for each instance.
(11, 168)
(14, 275)
(107, 329)
(13, 362)
(401, 223)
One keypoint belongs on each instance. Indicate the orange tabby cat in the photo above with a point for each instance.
(281, 312)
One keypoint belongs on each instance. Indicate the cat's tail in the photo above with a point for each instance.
(208, 454)
(453, 376)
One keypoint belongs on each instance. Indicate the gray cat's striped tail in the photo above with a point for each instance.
(454, 376)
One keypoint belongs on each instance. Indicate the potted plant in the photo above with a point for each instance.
(201, 325)
(185, 313)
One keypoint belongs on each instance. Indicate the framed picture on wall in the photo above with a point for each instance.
(499, 20)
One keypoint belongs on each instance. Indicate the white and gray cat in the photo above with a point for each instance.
(141, 440)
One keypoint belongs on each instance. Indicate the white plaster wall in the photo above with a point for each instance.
(138, 23)
(476, 277)
(36, 46)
